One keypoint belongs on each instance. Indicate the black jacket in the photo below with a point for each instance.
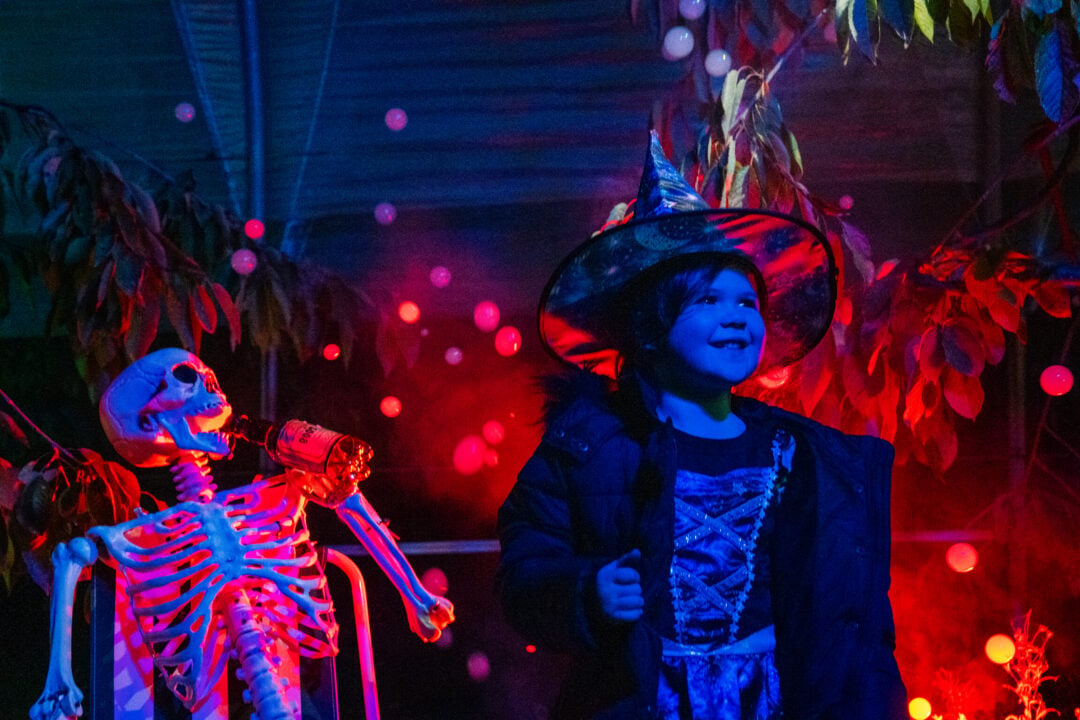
(601, 484)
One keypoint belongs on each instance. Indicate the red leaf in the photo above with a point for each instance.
(931, 355)
(964, 393)
(232, 315)
(962, 347)
(202, 309)
(1053, 298)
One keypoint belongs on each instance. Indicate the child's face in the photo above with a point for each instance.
(716, 341)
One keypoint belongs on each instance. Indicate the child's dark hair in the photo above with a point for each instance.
(644, 312)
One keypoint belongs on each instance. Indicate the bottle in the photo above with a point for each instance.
(341, 459)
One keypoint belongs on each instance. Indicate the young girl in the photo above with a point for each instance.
(698, 554)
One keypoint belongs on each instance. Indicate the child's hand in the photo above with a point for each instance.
(618, 585)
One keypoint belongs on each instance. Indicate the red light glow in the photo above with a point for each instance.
(434, 579)
(919, 708)
(331, 351)
(409, 312)
(254, 228)
(1056, 380)
(507, 341)
(1000, 649)
(530, 649)
(486, 316)
(493, 431)
(390, 406)
(469, 454)
(962, 557)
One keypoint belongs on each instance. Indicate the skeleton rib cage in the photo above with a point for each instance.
(183, 564)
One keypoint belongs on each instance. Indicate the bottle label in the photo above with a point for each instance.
(305, 446)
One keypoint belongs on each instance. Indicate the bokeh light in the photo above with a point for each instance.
(962, 557)
(244, 261)
(409, 312)
(446, 639)
(254, 228)
(184, 112)
(491, 457)
(331, 351)
(390, 406)
(453, 355)
(493, 431)
(486, 315)
(440, 276)
(1056, 380)
(919, 708)
(678, 43)
(434, 579)
(507, 341)
(396, 119)
(479, 666)
(691, 9)
(846, 202)
(385, 213)
(469, 454)
(530, 649)
(718, 62)
(1000, 648)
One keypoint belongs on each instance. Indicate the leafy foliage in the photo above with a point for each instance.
(911, 338)
(122, 266)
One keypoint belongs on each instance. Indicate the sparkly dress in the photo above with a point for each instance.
(718, 661)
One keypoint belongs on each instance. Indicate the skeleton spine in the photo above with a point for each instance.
(253, 651)
(193, 479)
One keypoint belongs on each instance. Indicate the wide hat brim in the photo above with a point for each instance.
(793, 256)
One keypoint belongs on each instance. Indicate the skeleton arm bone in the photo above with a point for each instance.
(61, 698)
(428, 613)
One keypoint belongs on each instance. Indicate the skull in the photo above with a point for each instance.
(164, 405)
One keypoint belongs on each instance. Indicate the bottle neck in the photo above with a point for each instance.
(253, 430)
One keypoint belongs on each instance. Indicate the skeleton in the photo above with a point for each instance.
(223, 573)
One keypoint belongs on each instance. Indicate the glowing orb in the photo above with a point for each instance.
(435, 581)
(469, 455)
(385, 213)
(331, 351)
(452, 356)
(1056, 380)
(718, 62)
(775, 378)
(530, 649)
(440, 276)
(507, 341)
(254, 228)
(962, 557)
(396, 119)
(390, 406)
(486, 315)
(491, 457)
(479, 666)
(846, 202)
(446, 639)
(678, 43)
(244, 261)
(184, 112)
(409, 312)
(691, 9)
(1000, 648)
(919, 708)
(493, 432)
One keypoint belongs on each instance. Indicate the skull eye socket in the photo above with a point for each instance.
(185, 373)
